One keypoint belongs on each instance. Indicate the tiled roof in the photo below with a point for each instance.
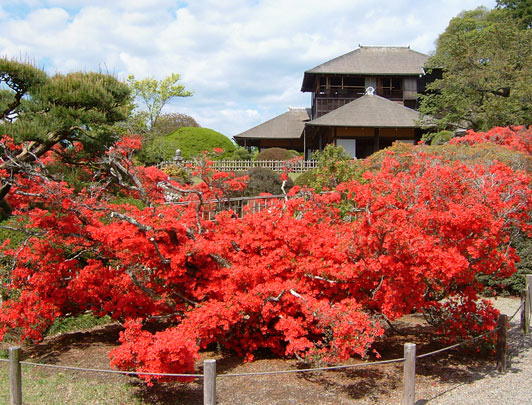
(370, 60)
(289, 125)
(370, 111)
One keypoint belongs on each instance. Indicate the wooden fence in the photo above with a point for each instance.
(296, 166)
(239, 205)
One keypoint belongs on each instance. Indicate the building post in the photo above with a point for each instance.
(376, 140)
(305, 143)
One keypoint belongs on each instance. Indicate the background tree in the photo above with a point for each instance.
(486, 57)
(42, 113)
(168, 123)
(154, 94)
(518, 9)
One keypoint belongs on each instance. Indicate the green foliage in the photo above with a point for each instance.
(192, 142)
(178, 173)
(128, 200)
(168, 123)
(520, 10)
(16, 238)
(62, 109)
(155, 94)
(276, 154)
(514, 284)
(486, 59)
(306, 179)
(264, 180)
(77, 323)
(438, 138)
(335, 166)
(241, 153)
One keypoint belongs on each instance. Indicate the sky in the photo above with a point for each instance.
(243, 59)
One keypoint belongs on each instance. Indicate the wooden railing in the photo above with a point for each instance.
(239, 205)
(296, 166)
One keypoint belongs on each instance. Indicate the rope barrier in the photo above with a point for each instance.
(94, 370)
(259, 373)
(455, 345)
(307, 370)
(516, 311)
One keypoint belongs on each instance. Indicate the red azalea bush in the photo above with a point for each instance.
(517, 138)
(308, 277)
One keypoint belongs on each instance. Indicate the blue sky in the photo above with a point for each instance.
(243, 59)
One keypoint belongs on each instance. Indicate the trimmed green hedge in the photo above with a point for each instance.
(276, 154)
(192, 141)
(263, 180)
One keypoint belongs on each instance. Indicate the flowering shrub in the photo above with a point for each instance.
(308, 277)
(517, 138)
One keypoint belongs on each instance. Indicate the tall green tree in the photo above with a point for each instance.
(40, 111)
(521, 10)
(154, 94)
(170, 122)
(486, 59)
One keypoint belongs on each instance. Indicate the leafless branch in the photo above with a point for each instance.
(156, 246)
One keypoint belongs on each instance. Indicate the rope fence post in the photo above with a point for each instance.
(15, 376)
(502, 333)
(409, 375)
(524, 312)
(528, 303)
(209, 382)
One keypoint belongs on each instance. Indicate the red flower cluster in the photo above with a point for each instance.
(308, 277)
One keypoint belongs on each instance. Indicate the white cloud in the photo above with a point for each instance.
(243, 59)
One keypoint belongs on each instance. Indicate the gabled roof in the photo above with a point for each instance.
(289, 125)
(370, 60)
(370, 111)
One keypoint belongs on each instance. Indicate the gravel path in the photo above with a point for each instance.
(492, 388)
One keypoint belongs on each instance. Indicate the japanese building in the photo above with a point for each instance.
(364, 101)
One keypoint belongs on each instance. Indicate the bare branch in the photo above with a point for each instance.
(156, 246)
(132, 221)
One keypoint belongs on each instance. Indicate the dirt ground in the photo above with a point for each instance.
(380, 384)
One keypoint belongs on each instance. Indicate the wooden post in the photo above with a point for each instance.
(15, 376)
(409, 375)
(528, 298)
(524, 304)
(502, 331)
(209, 382)
(376, 140)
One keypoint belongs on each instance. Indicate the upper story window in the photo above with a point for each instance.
(390, 87)
(340, 86)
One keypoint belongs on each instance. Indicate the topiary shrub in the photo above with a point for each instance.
(192, 142)
(306, 179)
(276, 154)
(263, 180)
(241, 153)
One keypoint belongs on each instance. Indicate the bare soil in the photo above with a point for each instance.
(379, 384)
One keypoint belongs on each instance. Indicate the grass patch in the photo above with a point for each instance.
(77, 323)
(41, 387)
